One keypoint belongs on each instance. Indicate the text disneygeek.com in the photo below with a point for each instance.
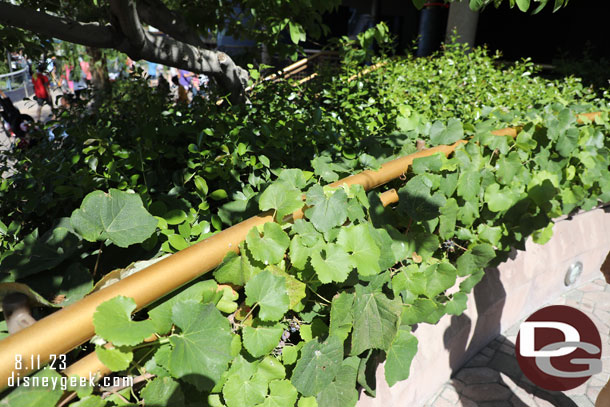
(65, 383)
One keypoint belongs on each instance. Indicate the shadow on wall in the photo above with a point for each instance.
(486, 375)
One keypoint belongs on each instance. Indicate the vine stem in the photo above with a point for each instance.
(250, 312)
(161, 341)
(319, 296)
(408, 226)
(97, 261)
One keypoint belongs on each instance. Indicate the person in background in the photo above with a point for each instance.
(41, 89)
(183, 96)
(16, 123)
(84, 66)
(163, 86)
(185, 78)
(152, 71)
(9, 112)
(68, 69)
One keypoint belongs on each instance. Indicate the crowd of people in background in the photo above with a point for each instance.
(186, 85)
(52, 77)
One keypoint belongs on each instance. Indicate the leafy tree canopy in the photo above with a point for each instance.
(185, 25)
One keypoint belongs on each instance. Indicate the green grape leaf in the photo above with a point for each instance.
(475, 259)
(439, 134)
(269, 291)
(324, 167)
(291, 353)
(326, 213)
(489, 234)
(341, 316)
(432, 163)
(542, 193)
(448, 218)
(34, 254)
(367, 372)
(397, 250)
(112, 321)
(117, 215)
(422, 242)
(376, 320)
(318, 365)
(457, 305)
(90, 401)
(422, 310)
(202, 348)
(281, 197)
(269, 248)
(411, 279)
(306, 231)
(116, 359)
(228, 302)
(39, 396)
(235, 269)
(365, 254)
(543, 235)
(469, 184)
(299, 253)
(262, 339)
(399, 356)
(294, 287)
(241, 392)
(448, 183)
(293, 177)
(163, 391)
(281, 394)
(242, 367)
(341, 392)
(335, 266)
(468, 212)
(202, 291)
(472, 280)
(270, 369)
(76, 283)
(417, 200)
(439, 277)
(508, 168)
(158, 364)
(499, 199)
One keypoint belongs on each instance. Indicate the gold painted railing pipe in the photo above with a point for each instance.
(513, 131)
(63, 330)
(87, 364)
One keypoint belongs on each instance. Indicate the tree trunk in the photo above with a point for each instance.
(99, 70)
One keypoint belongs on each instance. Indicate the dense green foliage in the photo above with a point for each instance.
(328, 296)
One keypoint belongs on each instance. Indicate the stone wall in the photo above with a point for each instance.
(512, 291)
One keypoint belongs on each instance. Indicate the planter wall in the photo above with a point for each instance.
(512, 291)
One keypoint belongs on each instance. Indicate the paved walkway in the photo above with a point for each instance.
(493, 378)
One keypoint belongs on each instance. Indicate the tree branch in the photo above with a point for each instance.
(89, 34)
(178, 54)
(127, 35)
(127, 21)
(155, 13)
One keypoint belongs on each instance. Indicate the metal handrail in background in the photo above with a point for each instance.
(20, 77)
